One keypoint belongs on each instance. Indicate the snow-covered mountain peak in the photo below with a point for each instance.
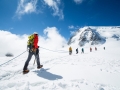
(94, 35)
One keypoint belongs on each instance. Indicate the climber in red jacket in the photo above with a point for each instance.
(33, 50)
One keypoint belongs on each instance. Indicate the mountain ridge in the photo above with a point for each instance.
(94, 35)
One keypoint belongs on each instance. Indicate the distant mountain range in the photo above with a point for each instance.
(94, 35)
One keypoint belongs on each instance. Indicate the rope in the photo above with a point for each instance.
(13, 58)
(60, 51)
(40, 47)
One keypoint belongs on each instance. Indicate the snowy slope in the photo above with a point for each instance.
(96, 70)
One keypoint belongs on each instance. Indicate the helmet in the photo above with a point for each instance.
(35, 33)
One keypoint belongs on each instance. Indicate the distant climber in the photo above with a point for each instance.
(77, 51)
(70, 50)
(95, 49)
(82, 50)
(90, 49)
(104, 48)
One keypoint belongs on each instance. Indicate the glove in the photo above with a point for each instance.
(37, 51)
(33, 46)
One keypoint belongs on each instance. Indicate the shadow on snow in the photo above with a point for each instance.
(47, 75)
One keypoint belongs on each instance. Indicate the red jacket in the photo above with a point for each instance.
(35, 43)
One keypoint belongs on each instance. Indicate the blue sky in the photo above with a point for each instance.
(27, 16)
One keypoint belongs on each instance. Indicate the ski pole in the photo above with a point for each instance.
(35, 58)
(34, 62)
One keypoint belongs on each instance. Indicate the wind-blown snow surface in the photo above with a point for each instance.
(96, 70)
